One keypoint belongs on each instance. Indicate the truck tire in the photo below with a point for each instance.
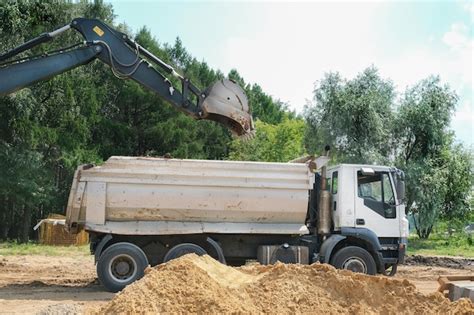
(356, 259)
(121, 264)
(183, 249)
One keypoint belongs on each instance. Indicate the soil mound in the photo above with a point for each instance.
(438, 261)
(193, 284)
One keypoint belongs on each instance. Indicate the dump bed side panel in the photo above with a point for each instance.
(200, 192)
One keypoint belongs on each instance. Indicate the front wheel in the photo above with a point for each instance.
(121, 264)
(355, 259)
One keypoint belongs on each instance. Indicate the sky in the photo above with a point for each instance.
(286, 47)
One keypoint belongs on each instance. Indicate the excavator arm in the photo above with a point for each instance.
(224, 101)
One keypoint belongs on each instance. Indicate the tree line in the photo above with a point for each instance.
(87, 115)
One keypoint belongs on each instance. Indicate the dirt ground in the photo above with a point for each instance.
(68, 285)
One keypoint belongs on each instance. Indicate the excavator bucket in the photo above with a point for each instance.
(227, 104)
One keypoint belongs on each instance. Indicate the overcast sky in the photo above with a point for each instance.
(286, 47)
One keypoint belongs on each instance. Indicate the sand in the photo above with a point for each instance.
(193, 284)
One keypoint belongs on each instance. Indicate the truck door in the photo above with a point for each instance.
(333, 185)
(375, 203)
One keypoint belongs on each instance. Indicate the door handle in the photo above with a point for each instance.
(360, 221)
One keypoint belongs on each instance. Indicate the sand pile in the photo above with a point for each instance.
(203, 285)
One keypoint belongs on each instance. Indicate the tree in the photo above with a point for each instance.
(272, 143)
(427, 196)
(362, 121)
(424, 151)
(86, 115)
(354, 116)
(45, 129)
(423, 119)
(25, 188)
(459, 182)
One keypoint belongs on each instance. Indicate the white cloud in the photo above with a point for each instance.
(455, 66)
(457, 38)
(295, 45)
(469, 7)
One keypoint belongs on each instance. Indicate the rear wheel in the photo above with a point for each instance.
(355, 259)
(121, 264)
(183, 249)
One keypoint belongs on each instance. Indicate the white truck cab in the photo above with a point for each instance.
(367, 199)
(367, 211)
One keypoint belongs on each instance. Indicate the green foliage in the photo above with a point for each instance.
(427, 189)
(455, 246)
(459, 183)
(446, 239)
(264, 107)
(438, 173)
(364, 123)
(354, 116)
(423, 119)
(272, 143)
(45, 130)
(12, 248)
(87, 115)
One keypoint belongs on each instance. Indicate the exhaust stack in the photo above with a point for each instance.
(324, 215)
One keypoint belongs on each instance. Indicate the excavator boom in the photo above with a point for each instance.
(224, 101)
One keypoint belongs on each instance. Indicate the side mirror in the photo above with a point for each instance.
(400, 185)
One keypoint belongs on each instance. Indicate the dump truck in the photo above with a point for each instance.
(145, 211)
(142, 211)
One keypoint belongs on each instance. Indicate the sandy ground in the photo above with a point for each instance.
(67, 285)
(42, 285)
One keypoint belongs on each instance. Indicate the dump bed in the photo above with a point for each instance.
(153, 196)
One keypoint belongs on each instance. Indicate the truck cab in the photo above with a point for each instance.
(367, 203)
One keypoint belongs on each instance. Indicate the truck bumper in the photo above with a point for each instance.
(402, 247)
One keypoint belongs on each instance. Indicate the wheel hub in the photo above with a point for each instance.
(356, 265)
(122, 268)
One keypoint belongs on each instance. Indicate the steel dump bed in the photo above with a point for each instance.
(155, 196)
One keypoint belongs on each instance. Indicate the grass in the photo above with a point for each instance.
(437, 244)
(440, 245)
(13, 248)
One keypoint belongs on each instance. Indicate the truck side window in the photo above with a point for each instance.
(377, 192)
(334, 183)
